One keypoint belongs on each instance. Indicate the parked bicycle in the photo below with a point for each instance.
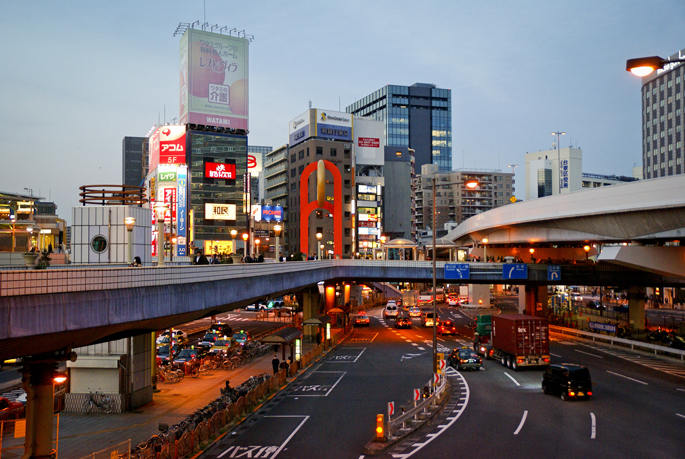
(100, 401)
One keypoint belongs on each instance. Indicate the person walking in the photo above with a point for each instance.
(274, 364)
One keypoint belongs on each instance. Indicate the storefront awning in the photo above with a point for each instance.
(335, 311)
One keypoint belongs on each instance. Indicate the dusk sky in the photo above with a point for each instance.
(78, 76)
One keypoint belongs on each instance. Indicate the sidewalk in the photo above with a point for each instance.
(83, 434)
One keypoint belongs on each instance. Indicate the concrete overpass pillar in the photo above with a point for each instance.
(39, 376)
(536, 300)
(480, 294)
(636, 307)
(310, 308)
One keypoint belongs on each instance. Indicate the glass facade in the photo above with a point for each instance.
(132, 155)
(205, 148)
(402, 110)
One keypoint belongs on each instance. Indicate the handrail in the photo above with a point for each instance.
(613, 339)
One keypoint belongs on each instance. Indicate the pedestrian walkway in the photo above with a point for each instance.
(83, 434)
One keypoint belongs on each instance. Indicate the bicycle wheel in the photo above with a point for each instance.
(195, 372)
(173, 377)
(181, 374)
(88, 406)
(107, 405)
(226, 365)
(204, 370)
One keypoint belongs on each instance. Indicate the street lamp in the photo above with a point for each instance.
(643, 66)
(277, 233)
(256, 243)
(160, 209)
(587, 249)
(234, 233)
(485, 249)
(532, 251)
(129, 222)
(318, 238)
(557, 133)
(245, 237)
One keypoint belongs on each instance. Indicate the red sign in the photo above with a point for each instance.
(368, 224)
(172, 145)
(369, 142)
(170, 199)
(220, 171)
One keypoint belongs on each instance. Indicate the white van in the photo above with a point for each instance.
(391, 310)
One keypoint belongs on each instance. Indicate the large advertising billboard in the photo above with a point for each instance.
(333, 125)
(214, 80)
(298, 129)
(369, 141)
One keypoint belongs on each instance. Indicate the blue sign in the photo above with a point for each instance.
(514, 271)
(332, 131)
(270, 213)
(600, 327)
(457, 271)
(181, 224)
(553, 273)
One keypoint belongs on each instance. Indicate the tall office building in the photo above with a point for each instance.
(417, 116)
(132, 160)
(663, 120)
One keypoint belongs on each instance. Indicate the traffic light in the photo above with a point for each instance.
(380, 427)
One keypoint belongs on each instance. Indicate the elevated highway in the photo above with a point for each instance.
(50, 310)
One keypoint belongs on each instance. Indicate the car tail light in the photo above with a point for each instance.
(571, 394)
(519, 360)
(546, 359)
(589, 393)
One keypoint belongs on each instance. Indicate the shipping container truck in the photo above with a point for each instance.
(410, 298)
(516, 340)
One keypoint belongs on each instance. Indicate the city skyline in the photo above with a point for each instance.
(81, 76)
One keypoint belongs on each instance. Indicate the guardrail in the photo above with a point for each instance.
(612, 340)
(397, 424)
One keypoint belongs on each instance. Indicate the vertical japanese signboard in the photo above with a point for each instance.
(181, 226)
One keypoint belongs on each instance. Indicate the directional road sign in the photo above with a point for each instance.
(457, 271)
(514, 271)
(553, 273)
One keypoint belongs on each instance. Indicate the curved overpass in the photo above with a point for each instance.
(643, 211)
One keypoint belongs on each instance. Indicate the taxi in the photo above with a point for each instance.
(414, 311)
(465, 358)
(222, 345)
(362, 319)
(241, 337)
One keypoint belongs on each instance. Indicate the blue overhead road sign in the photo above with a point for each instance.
(457, 271)
(514, 271)
(553, 273)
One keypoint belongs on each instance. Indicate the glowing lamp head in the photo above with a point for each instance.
(129, 222)
(643, 66)
(472, 183)
(319, 236)
(531, 250)
(586, 248)
(234, 233)
(245, 236)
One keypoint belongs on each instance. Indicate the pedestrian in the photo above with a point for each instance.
(136, 262)
(274, 364)
(50, 247)
(215, 259)
(318, 338)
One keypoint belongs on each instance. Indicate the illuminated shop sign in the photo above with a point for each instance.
(220, 171)
(220, 211)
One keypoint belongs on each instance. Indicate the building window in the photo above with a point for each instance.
(319, 151)
(293, 158)
(334, 152)
(307, 151)
(301, 169)
(301, 154)
(293, 173)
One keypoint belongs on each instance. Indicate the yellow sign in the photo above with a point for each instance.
(225, 247)
(513, 199)
(20, 428)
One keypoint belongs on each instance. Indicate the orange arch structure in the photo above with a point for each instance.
(335, 208)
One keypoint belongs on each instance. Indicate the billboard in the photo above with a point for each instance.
(267, 213)
(220, 171)
(298, 129)
(219, 211)
(369, 141)
(333, 125)
(181, 227)
(214, 80)
(167, 146)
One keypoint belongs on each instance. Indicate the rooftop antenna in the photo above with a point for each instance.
(310, 104)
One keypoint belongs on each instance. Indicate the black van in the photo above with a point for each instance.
(220, 329)
(568, 380)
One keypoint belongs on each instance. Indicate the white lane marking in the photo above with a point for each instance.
(414, 344)
(681, 415)
(587, 353)
(286, 440)
(512, 378)
(421, 348)
(555, 355)
(683, 390)
(627, 377)
(419, 446)
(594, 426)
(523, 421)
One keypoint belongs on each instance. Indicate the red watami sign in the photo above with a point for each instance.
(220, 171)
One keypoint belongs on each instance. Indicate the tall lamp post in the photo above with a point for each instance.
(318, 245)
(485, 249)
(129, 222)
(160, 209)
(587, 250)
(643, 66)
(257, 241)
(470, 183)
(277, 233)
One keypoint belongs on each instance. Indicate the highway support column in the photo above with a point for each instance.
(636, 307)
(38, 382)
(536, 300)
(310, 308)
